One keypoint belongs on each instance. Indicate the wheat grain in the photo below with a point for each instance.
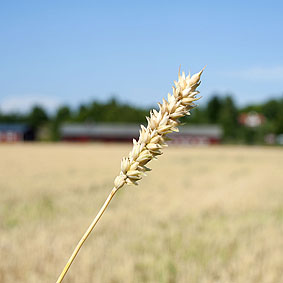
(160, 123)
(150, 143)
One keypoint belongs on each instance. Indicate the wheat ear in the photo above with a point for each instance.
(150, 143)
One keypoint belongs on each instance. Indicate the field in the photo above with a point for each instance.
(203, 215)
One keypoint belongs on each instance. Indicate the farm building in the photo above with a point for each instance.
(15, 132)
(201, 134)
(251, 119)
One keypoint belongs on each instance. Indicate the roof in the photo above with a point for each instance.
(130, 130)
(201, 130)
(95, 130)
(13, 127)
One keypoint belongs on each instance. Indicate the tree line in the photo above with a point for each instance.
(220, 110)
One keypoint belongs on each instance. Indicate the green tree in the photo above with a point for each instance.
(82, 113)
(278, 123)
(271, 109)
(37, 117)
(213, 109)
(62, 115)
(229, 119)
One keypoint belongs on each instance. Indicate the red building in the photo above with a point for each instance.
(15, 133)
(201, 134)
(251, 119)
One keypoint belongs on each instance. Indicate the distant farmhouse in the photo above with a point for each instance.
(251, 119)
(200, 134)
(16, 132)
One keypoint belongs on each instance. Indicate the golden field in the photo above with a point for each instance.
(203, 215)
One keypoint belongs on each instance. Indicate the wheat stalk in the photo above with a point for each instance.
(150, 143)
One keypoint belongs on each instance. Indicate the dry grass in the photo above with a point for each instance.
(203, 215)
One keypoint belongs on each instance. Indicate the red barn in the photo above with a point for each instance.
(15, 133)
(251, 119)
(200, 134)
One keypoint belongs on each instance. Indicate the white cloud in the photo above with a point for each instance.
(264, 74)
(24, 103)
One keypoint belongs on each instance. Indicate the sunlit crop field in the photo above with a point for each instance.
(204, 214)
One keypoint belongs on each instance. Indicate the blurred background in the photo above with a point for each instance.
(77, 78)
(110, 62)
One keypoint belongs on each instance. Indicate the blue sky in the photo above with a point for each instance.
(55, 52)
